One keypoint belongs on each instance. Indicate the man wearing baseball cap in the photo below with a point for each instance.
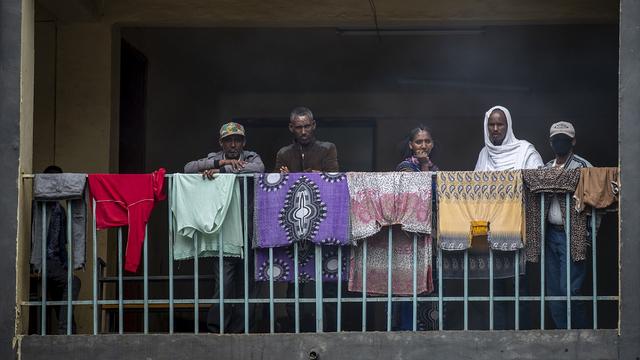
(232, 159)
(562, 137)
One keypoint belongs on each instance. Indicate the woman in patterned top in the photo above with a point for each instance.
(417, 151)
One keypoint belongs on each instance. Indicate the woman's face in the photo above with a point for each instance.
(421, 143)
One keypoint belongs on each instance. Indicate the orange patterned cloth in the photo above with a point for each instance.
(478, 203)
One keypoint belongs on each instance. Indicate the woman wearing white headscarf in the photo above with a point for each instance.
(510, 153)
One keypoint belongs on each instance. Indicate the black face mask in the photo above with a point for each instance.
(561, 146)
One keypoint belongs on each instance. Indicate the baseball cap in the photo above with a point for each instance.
(562, 127)
(231, 128)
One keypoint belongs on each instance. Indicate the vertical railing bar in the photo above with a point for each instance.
(415, 283)
(542, 262)
(440, 291)
(567, 226)
(196, 283)
(146, 280)
(517, 290)
(120, 285)
(466, 289)
(339, 303)
(43, 272)
(491, 312)
(296, 288)
(271, 307)
(94, 245)
(389, 264)
(221, 283)
(245, 225)
(319, 297)
(69, 269)
(364, 285)
(594, 268)
(170, 218)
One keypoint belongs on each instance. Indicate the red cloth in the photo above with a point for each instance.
(127, 199)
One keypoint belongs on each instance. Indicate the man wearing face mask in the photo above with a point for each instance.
(562, 137)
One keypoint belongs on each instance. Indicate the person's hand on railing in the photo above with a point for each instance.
(284, 170)
(237, 165)
(210, 173)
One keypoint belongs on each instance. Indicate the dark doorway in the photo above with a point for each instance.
(133, 109)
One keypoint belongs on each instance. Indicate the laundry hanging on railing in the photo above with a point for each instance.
(392, 198)
(387, 199)
(127, 199)
(598, 188)
(480, 204)
(553, 183)
(377, 263)
(206, 210)
(301, 207)
(49, 188)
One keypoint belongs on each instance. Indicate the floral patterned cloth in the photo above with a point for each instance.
(393, 198)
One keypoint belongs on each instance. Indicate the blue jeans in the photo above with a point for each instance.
(556, 280)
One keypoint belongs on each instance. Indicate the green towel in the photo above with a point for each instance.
(207, 211)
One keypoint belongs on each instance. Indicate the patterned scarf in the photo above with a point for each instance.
(301, 208)
(551, 182)
(394, 198)
(477, 204)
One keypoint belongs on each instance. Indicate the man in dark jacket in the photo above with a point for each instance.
(306, 154)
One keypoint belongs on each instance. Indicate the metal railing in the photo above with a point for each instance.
(339, 300)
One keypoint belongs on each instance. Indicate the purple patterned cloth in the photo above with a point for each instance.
(283, 268)
(301, 207)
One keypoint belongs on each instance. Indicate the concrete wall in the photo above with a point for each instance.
(16, 87)
(400, 345)
(629, 96)
(26, 151)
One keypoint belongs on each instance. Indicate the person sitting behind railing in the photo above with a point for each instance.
(57, 260)
(231, 159)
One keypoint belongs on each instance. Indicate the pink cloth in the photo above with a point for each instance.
(401, 265)
(393, 198)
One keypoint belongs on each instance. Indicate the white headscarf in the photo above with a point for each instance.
(513, 154)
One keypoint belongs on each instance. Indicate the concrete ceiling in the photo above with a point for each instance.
(287, 13)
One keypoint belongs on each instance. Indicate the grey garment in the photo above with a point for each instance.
(254, 163)
(573, 162)
(54, 187)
